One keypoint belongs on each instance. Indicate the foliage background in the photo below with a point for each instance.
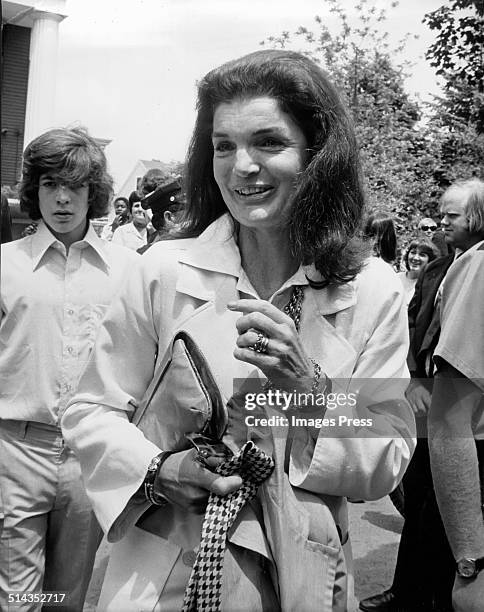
(410, 151)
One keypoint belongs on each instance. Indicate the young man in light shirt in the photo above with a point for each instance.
(56, 285)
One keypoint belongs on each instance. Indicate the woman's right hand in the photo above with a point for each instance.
(186, 483)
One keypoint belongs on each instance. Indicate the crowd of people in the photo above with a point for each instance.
(210, 380)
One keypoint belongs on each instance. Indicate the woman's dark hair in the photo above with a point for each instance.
(134, 196)
(72, 156)
(380, 228)
(422, 245)
(329, 200)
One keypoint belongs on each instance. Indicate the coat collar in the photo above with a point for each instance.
(43, 240)
(211, 270)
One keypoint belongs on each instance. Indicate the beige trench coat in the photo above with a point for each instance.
(357, 332)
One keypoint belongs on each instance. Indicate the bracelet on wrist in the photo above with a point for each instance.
(154, 467)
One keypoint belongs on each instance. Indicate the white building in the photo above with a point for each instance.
(140, 169)
(29, 70)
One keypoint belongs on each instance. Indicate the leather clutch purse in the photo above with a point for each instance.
(182, 399)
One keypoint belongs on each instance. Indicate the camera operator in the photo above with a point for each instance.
(166, 203)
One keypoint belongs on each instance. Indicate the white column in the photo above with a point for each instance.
(39, 114)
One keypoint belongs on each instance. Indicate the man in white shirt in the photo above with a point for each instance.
(56, 285)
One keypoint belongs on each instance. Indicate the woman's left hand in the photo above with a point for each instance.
(283, 359)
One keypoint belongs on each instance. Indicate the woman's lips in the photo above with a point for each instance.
(253, 193)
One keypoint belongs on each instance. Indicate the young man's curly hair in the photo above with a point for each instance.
(72, 156)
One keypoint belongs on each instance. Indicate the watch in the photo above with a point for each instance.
(149, 482)
(469, 568)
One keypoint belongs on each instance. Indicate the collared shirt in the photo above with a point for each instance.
(129, 236)
(51, 304)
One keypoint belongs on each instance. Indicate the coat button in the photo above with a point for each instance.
(189, 557)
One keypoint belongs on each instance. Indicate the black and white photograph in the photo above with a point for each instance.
(241, 321)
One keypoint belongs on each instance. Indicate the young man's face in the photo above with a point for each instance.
(63, 207)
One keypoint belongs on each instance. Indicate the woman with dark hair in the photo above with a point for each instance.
(275, 288)
(419, 253)
(380, 229)
(134, 234)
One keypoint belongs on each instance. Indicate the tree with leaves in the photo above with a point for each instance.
(458, 56)
(360, 60)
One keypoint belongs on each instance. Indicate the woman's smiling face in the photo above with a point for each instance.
(417, 259)
(259, 151)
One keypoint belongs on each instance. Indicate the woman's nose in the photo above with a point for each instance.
(245, 163)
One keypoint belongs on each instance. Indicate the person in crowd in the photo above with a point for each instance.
(418, 254)
(275, 198)
(456, 418)
(427, 227)
(134, 234)
(425, 567)
(122, 216)
(167, 204)
(380, 230)
(5, 221)
(56, 285)
(134, 196)
(151, 180)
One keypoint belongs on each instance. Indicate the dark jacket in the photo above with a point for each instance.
(5, 221)
(424, 326)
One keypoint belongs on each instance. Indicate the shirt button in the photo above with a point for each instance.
(189, 557)
(70, 350)
(70, 312)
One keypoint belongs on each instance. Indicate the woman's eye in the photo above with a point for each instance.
(271, 143)
(223, 146)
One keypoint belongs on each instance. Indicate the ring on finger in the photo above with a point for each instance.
(260, 345)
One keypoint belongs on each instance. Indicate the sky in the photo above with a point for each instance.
(127, 69)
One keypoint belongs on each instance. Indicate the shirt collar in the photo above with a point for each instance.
(216, 250)
(43, 239)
